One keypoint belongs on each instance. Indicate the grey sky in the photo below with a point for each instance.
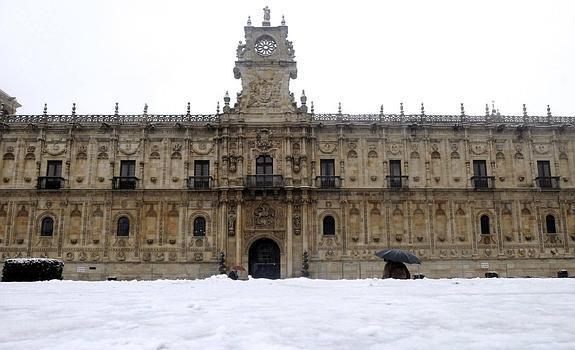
(362, 53)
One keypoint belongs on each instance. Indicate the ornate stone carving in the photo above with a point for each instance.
(327, 147)
(264, 216)
(478, 148)
(264, 92)
(202, 147)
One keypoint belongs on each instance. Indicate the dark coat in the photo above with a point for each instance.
(396, 270)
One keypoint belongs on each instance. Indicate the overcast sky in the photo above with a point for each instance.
(362, 53)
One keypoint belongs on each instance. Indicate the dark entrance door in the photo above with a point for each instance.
(264, 259)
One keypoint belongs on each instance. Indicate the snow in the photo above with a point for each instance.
(218, 313)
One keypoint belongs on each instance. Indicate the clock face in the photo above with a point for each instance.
(265, 46)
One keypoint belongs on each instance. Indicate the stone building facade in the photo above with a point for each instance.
(267, 181)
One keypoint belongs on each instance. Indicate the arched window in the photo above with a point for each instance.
(47, 228)
(199, 226)
(123, 227)
(550, 224)
(329, 226)
(485, 225)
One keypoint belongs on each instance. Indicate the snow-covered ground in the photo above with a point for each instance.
(218, 313)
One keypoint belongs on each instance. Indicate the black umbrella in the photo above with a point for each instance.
(398, 255)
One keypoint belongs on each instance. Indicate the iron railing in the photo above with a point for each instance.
(200, 182)
(397, 182)
(264, 181)
(125, 182)
(50, 182)
(547, 182)
(483, 182)
(328, 181)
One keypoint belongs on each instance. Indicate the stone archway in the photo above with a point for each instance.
(264, 259)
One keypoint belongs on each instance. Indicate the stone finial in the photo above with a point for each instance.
(45, 111)
(339, 108)
(462, 110)
(303, 98)
(249, 24)
(548, 111)
(422, 109)
(493, 110)
(218, 108)
(1, 109)
(116, 109)
(188, 109)
(381, 110)
(283, 20)
(524, 110)
(401, 109)
(73, 108)
(227, 99)
(266, 22)
(146, 109)
(486, 110)
(312, 108)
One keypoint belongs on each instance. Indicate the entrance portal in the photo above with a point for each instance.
(264, 259)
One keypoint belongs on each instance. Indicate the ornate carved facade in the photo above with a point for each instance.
(147, 196)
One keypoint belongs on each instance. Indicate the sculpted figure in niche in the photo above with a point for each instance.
(232, 224)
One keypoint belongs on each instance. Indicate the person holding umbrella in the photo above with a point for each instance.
(395, 259)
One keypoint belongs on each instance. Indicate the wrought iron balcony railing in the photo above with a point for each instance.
(397, 182)
(325, 181)
(200, 182)
(548, 182)
(483, 182)
(125, 182)
(264, 181)
(50, 182)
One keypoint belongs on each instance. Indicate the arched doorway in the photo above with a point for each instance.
(264, 259)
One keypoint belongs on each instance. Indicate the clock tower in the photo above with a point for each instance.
(265, 64)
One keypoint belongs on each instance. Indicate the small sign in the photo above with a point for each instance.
(81, 269)
(484, 265)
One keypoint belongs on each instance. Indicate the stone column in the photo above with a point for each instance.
(289, 233)
(239, 234)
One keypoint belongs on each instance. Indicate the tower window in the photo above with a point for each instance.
(329, 226)
(47, 228)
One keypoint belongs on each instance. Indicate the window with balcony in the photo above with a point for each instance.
(395, 180)
(53, 179)
(264, 177)
(480, 180)
(327, 178)
(127, 179)
(201, 179)
(544, 179)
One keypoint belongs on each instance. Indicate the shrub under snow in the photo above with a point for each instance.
(32, 269)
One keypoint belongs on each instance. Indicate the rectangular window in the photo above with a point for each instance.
(395, 174)
(327, 167)
(202, 168)
(544, 168)
(128, 168)
(54, 168)
(479, 168)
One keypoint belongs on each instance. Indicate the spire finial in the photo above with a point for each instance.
(462, 110)
(218, 108)
(312, 109)
(146, 109)
(493, 110)
(116, 109)
(283, 20)
(524, 110)
(227, 99)
(188, 109)
(266, 22)
(381, 110)
(1, 109)
(249, 21)
(422, 109)
(339, 108)
(45, 109)
(73, 108)
(548, 111)
(487, 110)
(401, 109)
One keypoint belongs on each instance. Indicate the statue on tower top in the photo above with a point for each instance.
(266, 22)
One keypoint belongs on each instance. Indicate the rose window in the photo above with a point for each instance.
(265, 46)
